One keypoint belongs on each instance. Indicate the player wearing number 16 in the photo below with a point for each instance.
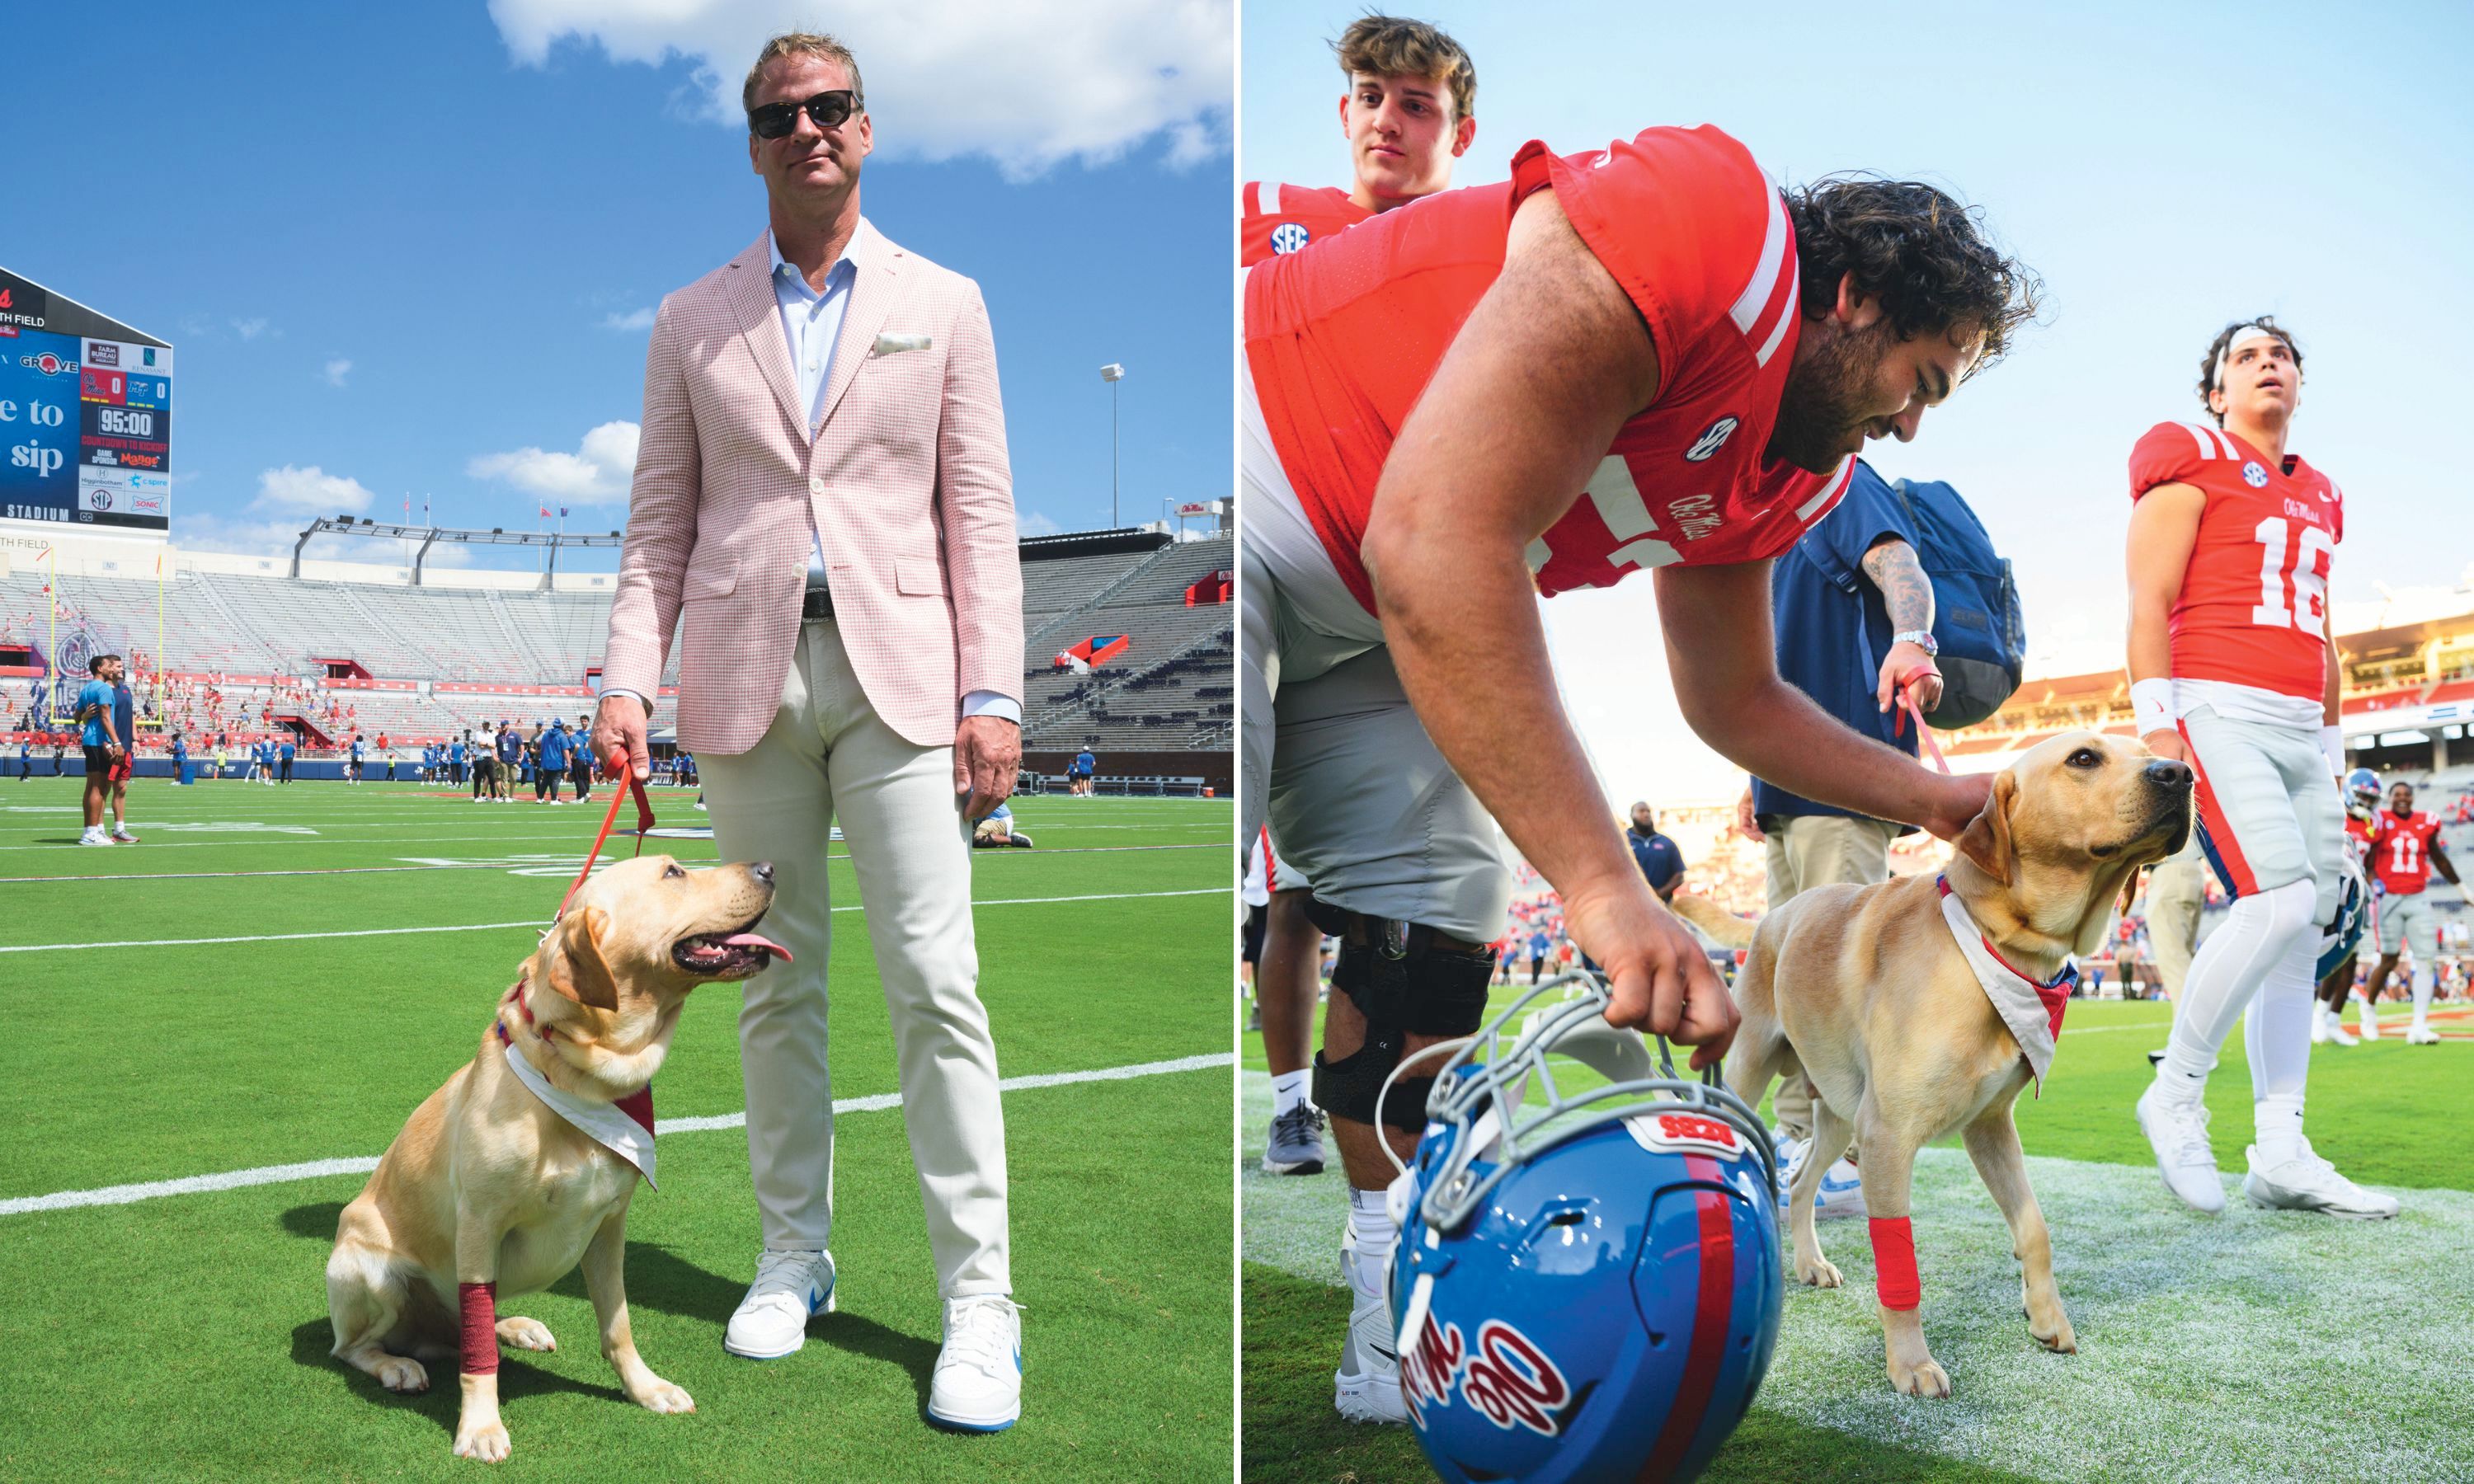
(2233, 670)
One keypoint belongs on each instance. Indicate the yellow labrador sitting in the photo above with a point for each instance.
(525, 1162)
(1923, 1008)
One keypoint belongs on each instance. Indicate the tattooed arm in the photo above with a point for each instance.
(1908, 595)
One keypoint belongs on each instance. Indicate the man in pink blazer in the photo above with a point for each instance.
(823, 511)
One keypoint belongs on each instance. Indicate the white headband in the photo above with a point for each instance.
(2241, 337)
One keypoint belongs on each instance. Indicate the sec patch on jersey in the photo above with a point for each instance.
(1290, 236)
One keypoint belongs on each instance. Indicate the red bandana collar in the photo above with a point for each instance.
(637, 1105)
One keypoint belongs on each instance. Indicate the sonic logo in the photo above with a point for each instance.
(1507, 1378)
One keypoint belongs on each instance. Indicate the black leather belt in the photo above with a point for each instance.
(817, 604)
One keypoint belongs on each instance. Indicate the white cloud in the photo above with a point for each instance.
(337, 371)
(632, 320)
(1026, 84)
(309, 491)
(1031, 522)
(250, 329)
(600, 470)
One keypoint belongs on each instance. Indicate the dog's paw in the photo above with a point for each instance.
(1817, 1272)
(487, 1442)
(657, 1394)
(398, 1373)
(1923, 1379)
(526, 1333)
(2056, 1336)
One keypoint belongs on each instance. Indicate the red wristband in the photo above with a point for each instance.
(480, 1336)
(1894, 1264)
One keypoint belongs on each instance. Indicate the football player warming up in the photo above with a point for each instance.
(1407, 116)
(2233, 670)
(2362, 807)
(1645, 357)
(2405, 849)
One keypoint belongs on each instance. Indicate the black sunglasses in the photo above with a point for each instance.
(830, 109)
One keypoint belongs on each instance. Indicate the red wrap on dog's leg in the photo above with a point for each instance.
(1894, 1264)
(480, 1336)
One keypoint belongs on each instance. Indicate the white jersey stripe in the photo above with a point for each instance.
(1267, 198)
(2225, 441)
(2207, 449)
(1786, 316)
(1748, 305)
(1618, 497)
(1828, 492)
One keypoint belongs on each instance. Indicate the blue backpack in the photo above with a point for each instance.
(1976, 606)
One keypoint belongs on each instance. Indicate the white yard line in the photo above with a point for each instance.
(511, 861)
(536, 924)
(317, 1169)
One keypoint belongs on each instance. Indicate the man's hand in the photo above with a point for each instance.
(2167, 743)
(619, 730)
(1747, 823)
(987, 754)
(1902, 658)
(1660, 980)
(1957, 800)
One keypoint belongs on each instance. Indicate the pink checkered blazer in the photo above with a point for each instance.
(906, 481)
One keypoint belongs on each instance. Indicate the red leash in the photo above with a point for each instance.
(616, 769)
(1907, 708)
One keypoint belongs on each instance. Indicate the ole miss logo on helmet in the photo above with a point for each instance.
(1507, 1378)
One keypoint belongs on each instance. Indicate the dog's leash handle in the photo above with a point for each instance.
(613, 769)
(1907, 708)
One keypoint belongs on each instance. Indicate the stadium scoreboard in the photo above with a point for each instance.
(85, 415)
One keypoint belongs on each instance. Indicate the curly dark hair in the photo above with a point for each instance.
(2217, 351)
(1927, 258)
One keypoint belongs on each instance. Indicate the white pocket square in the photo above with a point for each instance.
(895, 344)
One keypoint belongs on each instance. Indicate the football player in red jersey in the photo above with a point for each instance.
(2362, 807)
(2234, 669)
(1645, 356)
(2405, 849)
(1409, 113)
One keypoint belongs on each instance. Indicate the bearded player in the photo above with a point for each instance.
(1642, 357)
(1408, 114)
(2232, 669)
(2362, 807)
(2405, 849)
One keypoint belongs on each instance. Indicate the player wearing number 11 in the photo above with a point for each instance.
(2234, 671)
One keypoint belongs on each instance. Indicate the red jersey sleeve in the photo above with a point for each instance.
(1685, 220)
(2169, 453)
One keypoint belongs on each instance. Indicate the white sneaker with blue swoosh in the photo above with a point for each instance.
(978, 1382)
(772, 1321)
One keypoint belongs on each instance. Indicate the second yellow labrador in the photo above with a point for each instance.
(525, 1162)
(1921, 1006)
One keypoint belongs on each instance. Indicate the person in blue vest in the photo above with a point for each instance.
(179, 758)
(95, 719)
(553, 762)
(358, 748)
(285, 753)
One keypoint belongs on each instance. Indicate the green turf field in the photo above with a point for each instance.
(2255, 1346)
(279, 975)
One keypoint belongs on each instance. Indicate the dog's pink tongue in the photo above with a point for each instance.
(754, 941)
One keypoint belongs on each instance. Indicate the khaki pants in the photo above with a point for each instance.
(1806, 850)
(828, 755)
(2176, 890)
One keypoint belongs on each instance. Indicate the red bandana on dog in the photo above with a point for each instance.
(2032, 1010)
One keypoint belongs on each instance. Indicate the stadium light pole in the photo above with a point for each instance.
(1112, 373)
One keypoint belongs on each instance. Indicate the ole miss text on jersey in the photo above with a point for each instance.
(2253, 608)
(1273, 218)
(1341, 341)
(2401, 849)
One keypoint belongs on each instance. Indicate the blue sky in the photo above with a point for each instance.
(2165, 169)
(415, 248)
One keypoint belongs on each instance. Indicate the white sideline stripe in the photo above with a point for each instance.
(317, 1169)
(507, 862)
(534, 923)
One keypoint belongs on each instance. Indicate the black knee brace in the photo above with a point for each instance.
(1405, 982)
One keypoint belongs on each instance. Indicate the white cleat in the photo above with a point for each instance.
(772, 1321)
(1367, 1387)
(2178, 1133)
(2307, 1182)
(2320, 1029)
(2368, 1023)
(977, 1386)
(2422, 1036)
(2338, 1035)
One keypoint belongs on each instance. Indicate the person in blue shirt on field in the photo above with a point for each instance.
(511, 758)
(356, 759)
(1538, 945)
(553, 762)
(1660, 859)
(286, 754)
(1078, 772)
(179, 754)
(456, 761)
(124, 722)
(95, 719)
(24, 756)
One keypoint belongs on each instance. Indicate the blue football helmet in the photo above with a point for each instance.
(1586, 1289)
(2340, 940)
(2363, 791)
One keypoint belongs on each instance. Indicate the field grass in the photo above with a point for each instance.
(2254, 1346)
(186, 1336)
